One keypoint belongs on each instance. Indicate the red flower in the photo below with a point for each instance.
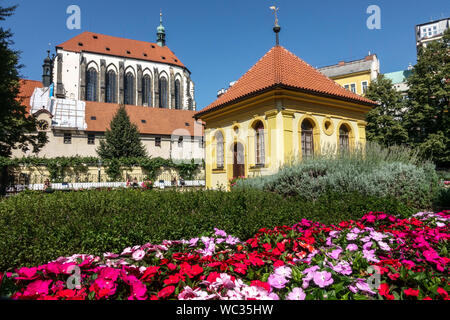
(171, 266)
(443, 293)
(384, 291)
(166, 292)
(411, 292)
(278, 263)
(261, 284)
(212, 277)
(174, 279)
(149, 273)
(393, 276)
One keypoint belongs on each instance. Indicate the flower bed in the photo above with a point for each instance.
(377, 257)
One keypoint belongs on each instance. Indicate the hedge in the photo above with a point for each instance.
(36, 228)
(375, 171)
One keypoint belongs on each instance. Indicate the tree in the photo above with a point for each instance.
(122, 140)
(385, 124)
(428, 119)
(17, 129)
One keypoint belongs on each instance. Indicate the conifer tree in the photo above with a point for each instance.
(122, 140)
(17, 129)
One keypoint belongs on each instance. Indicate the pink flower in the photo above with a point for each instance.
(352, 247)
(27, 274)
(37, 288)
(138, 291)
(335, 253)
(138, 255)
(296, 294)
(277, 281)
(323, 279)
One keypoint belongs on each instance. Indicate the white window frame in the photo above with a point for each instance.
(362, 86)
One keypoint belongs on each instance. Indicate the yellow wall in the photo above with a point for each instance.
(356, 78)
(282, 113)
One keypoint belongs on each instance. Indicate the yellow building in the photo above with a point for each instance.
(355, 76)
(282, 109)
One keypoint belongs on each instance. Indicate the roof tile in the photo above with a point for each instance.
(281, 67)
(121, 47)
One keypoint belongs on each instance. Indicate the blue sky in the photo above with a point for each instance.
(220, 40)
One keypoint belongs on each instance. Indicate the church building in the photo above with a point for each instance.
(281, 110)
(92, 74)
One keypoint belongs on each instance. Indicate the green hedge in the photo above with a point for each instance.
(36, 228)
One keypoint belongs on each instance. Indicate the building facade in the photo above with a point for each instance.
(91, 75)
(354, 76)
(281, 110)
(400, 80)
(431, 31)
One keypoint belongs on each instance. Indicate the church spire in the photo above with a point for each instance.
(161, 32)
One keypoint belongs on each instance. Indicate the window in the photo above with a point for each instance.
(129, 88)
(307, 139)
(259, 143)
(177, 94)
(146, 91)
(219, 150)
(91, 85)
(353, 87)
(158, 142)
(344, 138)
(67, 138)
(347, 87)
(364, 86)
(111, 87)
(91, 139)
(180, 142)
(163, 93)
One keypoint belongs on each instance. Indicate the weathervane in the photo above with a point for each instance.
(276, 28)
(275, 11)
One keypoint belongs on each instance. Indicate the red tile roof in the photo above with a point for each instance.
(157, 121)
(26, 91)
(280, 67)
(141, 50)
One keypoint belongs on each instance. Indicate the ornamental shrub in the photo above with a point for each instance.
(378, 171)
(36, 228)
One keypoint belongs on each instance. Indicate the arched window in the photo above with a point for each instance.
(147, 91)
(163, 93)
(129, 89)
(344, 138)
(219, 150)
(91, 85)
(177, 94)
(259, 143)
(111, 87)
(307, 139)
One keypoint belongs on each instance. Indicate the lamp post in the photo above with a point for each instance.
(99, 170)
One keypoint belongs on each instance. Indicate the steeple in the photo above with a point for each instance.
(47, 69)
(161, 33)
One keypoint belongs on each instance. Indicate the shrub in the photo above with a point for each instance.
(379, 172)
(37, 227)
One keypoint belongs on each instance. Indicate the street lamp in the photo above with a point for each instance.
(99, 170)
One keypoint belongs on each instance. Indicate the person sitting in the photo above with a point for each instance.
(135, 183)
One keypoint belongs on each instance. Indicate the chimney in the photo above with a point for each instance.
(341, 63)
